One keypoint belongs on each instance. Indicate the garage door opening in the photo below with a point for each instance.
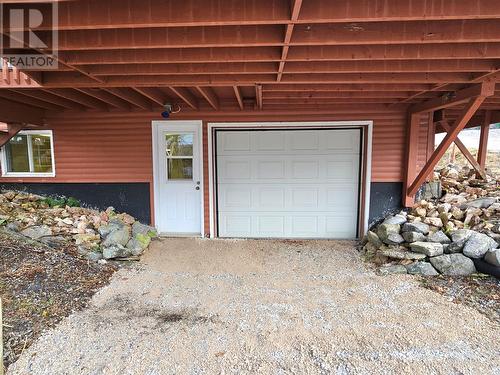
(288, 183)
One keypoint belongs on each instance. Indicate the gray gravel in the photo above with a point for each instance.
(264, 307)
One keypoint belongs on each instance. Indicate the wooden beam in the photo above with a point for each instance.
(392, 66)
(397, 52)
(460, 123)
(295, 10)
(78, 97)
(131, 97)
(342, 88)
(153, 93)
(483, 141)
(51, 98)
(465, 152)
(88, 15)
(71, 80)
(11, 112)
(12, 130)
(210, 96)
(186, 96)
(412, 134)
(23, 99)
(239, 98)
(183, 69)
(376, 33)
(459, 97)
(459, 31)
(431, 136)
(258, 96)
(105, 97)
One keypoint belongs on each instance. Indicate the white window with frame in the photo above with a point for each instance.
(29, 153)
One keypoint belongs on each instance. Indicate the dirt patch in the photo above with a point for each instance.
(39, 286)
(479, 291)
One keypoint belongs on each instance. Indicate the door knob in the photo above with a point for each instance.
(197, 188)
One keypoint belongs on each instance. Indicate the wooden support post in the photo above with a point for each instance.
(483, 141)
(458, 143)
(411, 156)
(460, 123)
(431, 136)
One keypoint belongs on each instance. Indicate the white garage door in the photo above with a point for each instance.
(288, 183)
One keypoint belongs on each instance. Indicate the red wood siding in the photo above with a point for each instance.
(116, 147)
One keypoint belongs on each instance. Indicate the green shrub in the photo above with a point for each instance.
(72, 202)
(62, 202)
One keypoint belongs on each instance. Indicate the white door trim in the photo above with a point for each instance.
(164, 125)
(366, 159)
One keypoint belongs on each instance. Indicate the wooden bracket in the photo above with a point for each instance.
(12, 130)
(474, 96)
(470, 158)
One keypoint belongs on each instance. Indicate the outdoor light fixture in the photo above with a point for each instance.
(168, 109)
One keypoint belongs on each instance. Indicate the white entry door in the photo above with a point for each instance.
(178, 187)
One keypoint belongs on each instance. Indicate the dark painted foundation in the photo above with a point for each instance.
(386, 198)
(133, 198)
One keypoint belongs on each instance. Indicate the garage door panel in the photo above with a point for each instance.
(343, 141)
(234, 141)
(303, 142)
(288, 169)
(267, 169)
(291, 184)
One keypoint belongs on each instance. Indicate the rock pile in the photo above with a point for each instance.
(447, 236)
(96, 234)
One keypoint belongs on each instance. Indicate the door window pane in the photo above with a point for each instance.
(179, 144)
(42, 153)
(17, 154)
(180, 169)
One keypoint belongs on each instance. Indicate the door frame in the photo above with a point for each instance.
(366, 158)
(158, 126)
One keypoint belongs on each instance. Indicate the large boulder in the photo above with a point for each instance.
(400, 253)
(120, 236)
(36, 232)
(396, 219)
(478, 245)
(479, 203)
(434, 221)
(116, 251)
(113, 225)
(413, 237)
(394, 239)
(421, 268)
(416, 226)
(384, 230)
(439, 237)
(460, 235)
(493, 257)
(458, 240)
(373, 239)
(431, 249)
(139, 228)
(139, 243)
(395, 269)
(453, 265)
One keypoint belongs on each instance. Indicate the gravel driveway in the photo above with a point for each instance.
(264, 307)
